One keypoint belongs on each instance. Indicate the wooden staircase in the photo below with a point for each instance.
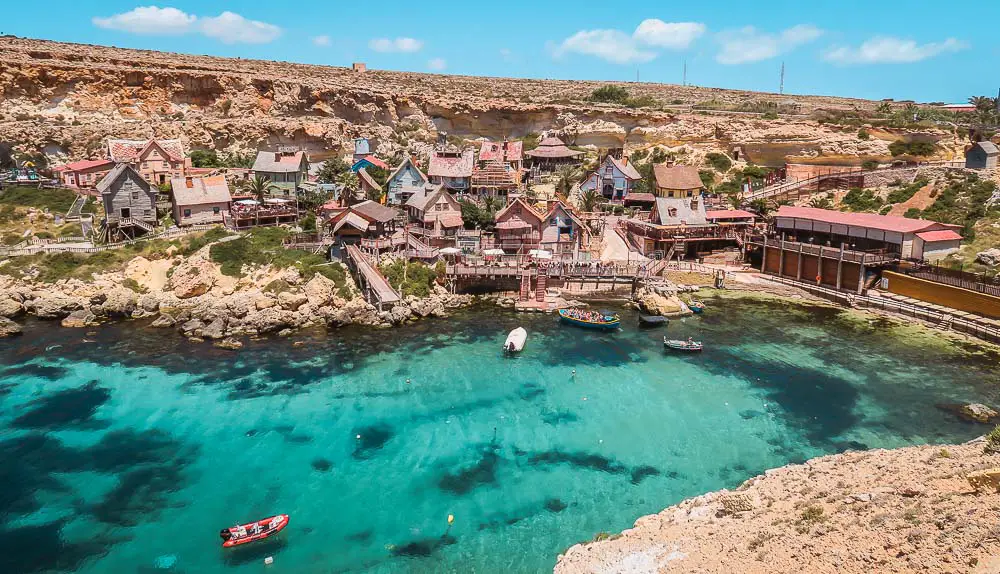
(540, 288)
(525, 285)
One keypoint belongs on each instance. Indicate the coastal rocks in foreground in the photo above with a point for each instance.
(8, 328)
(204, 305)
(905, 510)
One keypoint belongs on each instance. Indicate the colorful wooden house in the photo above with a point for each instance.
(156, 161)
(614, 179)
(404, 182)
(451, 167)
(520, 227)
(84, 174)
(435, 212)
(367, 162)
(200, 200)
(365, 220)
(286, 169)
(677, 181)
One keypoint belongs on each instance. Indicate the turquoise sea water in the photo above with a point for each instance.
(128, 451)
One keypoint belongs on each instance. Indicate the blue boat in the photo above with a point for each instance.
(590, 319)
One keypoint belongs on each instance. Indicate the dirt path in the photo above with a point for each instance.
(920, 200)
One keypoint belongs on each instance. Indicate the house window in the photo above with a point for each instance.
(694, 205)
(187, 213)
(146, 213)
(135, 196)
(215, 210)
(166, 165)
(672, 212)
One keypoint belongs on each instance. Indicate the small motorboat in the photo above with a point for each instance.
(689, 345)
(652, 320)
(696, 307)
(515, 341)
(590, 319)
(253, 531)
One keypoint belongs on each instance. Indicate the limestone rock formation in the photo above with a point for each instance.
(9, 328)
(990, 257)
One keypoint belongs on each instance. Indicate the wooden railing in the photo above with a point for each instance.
(877, 257)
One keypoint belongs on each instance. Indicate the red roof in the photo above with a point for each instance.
(729, 214)
(866, 220)
(375, 161)
(88, 164)
(941, 235)
(495, 151)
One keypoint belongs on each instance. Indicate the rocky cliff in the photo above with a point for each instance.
(906, 510)
(67, 99)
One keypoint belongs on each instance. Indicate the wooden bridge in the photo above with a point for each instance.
(375, 287)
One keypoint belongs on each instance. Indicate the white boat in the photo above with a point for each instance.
(515, 340)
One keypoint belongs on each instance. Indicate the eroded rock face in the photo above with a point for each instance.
(192, 278)
(53, 305)
(119, 302)
(80, 319)
(9, 308)
(978, 412)
(660, 302)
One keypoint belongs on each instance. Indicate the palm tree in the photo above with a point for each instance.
(761, 206)
(736, 198)
(491, 205)
(821, 202)
(258, 187)
(983, 103)
(568, 176)
(349, 184)
(590, 199)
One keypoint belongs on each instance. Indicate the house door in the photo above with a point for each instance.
(609, 191)
(126, 212)
(163, 179)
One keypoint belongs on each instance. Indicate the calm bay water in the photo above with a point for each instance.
(128, 452)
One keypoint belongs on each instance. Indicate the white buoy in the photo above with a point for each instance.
(358, 437)
(451, 519)
(269, 560)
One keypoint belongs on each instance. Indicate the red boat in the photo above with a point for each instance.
(254, 531)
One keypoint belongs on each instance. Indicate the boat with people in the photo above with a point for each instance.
(253, 531)
(652, 320)
(696, 307)
(590, 319)
(515, 341)
(690, 345)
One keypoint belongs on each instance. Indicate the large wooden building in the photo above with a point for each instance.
(156, 161)
(129, 203)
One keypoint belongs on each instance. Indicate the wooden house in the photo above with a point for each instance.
(200, 200)
(435, 212)
(451, 167)
(365, 220)
(495, 178)
(982, 155)
(552, 153)
(369, 187)
(286, 169)
(156, 161)
(404, 181)
(614, 179)
(677, 181)
(507, 152)
(520, 227)
(129, 203)
(84, 174)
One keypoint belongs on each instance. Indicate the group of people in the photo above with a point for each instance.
(590, 316)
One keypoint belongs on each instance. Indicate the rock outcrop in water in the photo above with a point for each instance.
(923, 509)
(68, 99)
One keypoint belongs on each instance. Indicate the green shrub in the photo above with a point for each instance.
(11, 239)
(911, 148)
(232, 255)
(905, 193)
(418, 277)
(610, 94)
(198, 241)
(707, 178)
(309, 222)
(912, 213)
(864, 135)
(993, 441)
(719, 161)
(770, 116)
(858, 199)
(869, 164)
(133, 285)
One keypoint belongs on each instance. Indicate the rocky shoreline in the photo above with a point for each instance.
(193, 297)
(918, 509)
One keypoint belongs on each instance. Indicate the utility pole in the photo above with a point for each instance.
(685, 72)
(781, 85)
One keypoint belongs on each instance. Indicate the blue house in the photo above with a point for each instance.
(368, 162)
(404, 181)
(613, 179)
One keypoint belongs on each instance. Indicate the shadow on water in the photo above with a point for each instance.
(41, 548)
(423, 547)
(255, 551)
(35, 370)
(464, 480)
(370, 439)
(66, 408)
(140, 494)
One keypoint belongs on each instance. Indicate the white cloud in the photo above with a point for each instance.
(149, 21)
(321, 41)
(406, 45)
(231, 28)
(751, 45)
(889, 50)
(612, 45)
(669, 35)
(228, 27)
(437, 64)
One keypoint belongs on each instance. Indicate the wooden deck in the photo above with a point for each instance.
(377, 289)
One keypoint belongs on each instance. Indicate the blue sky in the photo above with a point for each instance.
(913, 50)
